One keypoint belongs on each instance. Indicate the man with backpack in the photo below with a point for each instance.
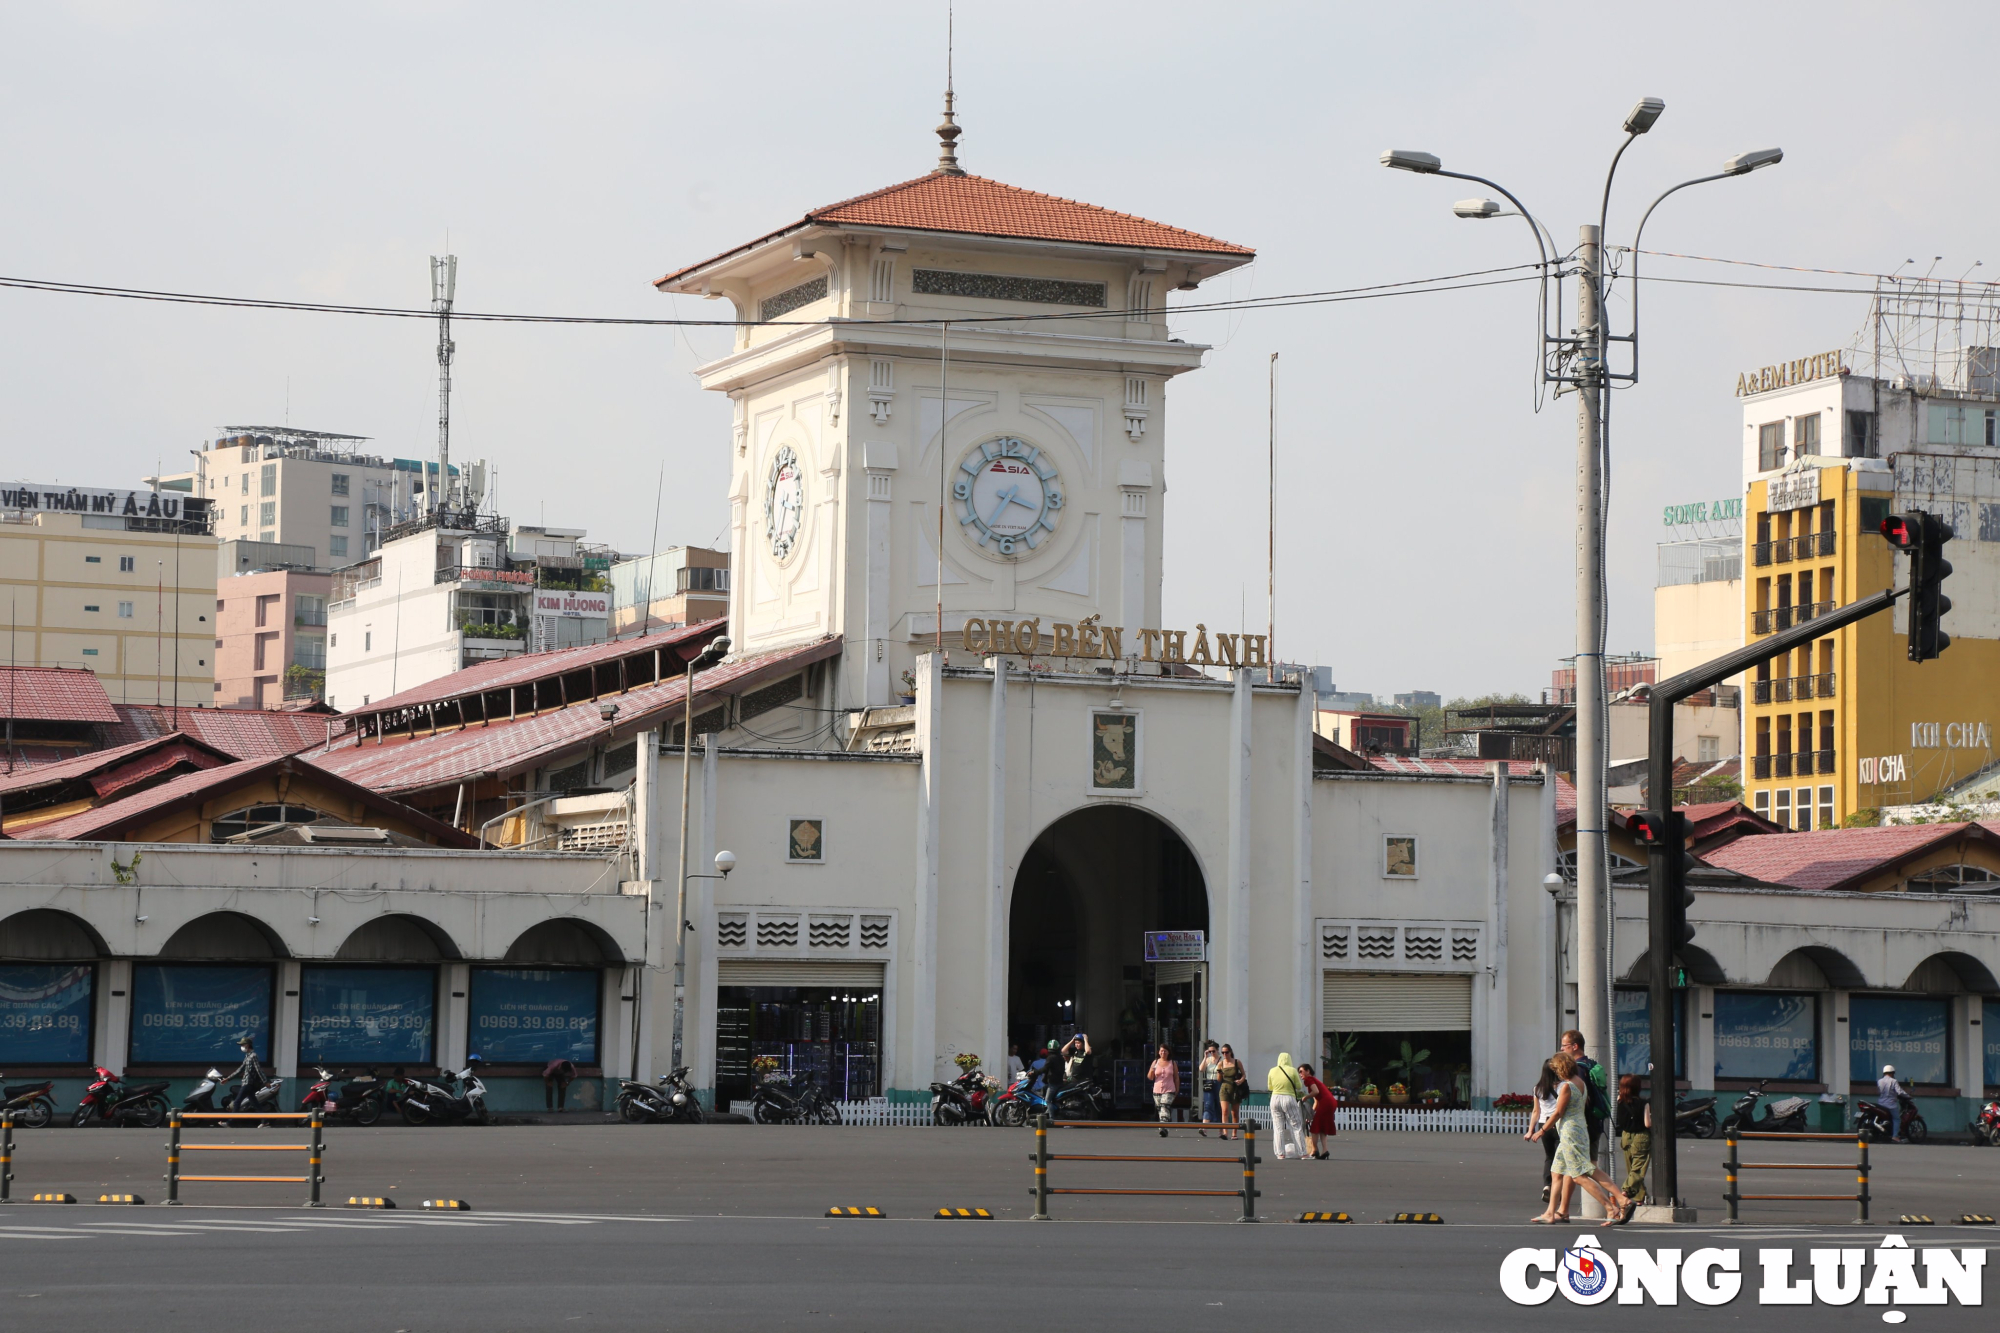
(1596, 1107)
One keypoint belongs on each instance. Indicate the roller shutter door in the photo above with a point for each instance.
(1174, 974)
(1372, 1002)
(802, 972)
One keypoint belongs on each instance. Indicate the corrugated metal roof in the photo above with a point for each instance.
(54, 694)
(113, 818)
(242, 733)
(168, 748)
(530, 667)
(504, 747)
(1837, 858)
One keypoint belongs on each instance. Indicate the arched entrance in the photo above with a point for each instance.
(1087, 891)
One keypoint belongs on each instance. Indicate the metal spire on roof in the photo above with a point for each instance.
(948, 132)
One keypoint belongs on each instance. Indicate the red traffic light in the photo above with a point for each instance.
(1902, 533)
(1648, 826)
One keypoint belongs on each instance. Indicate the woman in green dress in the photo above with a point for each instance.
(1572, 1165)
(1230, 1081)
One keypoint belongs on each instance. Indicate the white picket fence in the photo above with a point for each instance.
(879, 1111)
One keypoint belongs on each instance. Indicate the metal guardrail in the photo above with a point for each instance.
(1731, 1166)
(1041, 1157)
(316, 1150)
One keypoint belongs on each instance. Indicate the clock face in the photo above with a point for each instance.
(1008, 495)
(784, 502)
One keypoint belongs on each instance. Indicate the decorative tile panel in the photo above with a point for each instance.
(785, 302)
(875, 932)
(828, 932)
(799, 933)
(1400, 946)
(1000, 287)
(732, 930)
(777, 932)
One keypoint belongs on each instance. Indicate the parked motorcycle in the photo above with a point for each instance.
(1871, 1122)
(1696, 1116)
(797, 1100)
(961, 1101)
(32, 1105)
(360, 1100)
(1985, 1130)
(202, 1099)
(1082, 1100)
(1783, 1115)
(429, 1102)
(1018, 1102)
(668, 1102)
(111, 1101)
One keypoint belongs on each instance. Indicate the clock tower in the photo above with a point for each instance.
(947, 355)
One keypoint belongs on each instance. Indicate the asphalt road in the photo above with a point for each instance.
(722, 1227)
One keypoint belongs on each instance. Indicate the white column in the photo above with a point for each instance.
(646, 808)
(881, 463)
(285, 1021)
(1235, 989)
(114, 1013)
(647, 812)
(1306, 993)
(1494, 1034)
(452, 1041)
(619, 995)
(995, 1036)
(921, 1003)
(1132, 543)
(1968, 1057)
(1551, 945)
(699, 1024)
(1833, 1043)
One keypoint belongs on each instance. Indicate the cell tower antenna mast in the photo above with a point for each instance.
(444, 287)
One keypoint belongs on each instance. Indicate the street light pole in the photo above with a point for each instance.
(715, 650)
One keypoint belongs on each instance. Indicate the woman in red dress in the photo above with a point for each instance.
(1324, 1102)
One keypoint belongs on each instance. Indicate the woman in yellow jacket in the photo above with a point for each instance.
(1286, 1087)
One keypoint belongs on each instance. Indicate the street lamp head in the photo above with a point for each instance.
(718, 648)
(1553, 882)
(1745, 163)
(607, 710)
(1409, 159)
(1477, 208)
(724, 863)
(1642, 115)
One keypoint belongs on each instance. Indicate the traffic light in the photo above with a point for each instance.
(1664, 834)
(1922, 536)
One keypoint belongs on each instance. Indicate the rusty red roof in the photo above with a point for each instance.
(978, 206)
(507, 672)
(118, 766)
(54, 694)
(481, 750)
(1840, 858)
(111, 820)
(241, 733)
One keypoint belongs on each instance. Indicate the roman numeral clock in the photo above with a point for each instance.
(1008, 495)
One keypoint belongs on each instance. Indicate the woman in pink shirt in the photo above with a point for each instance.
(1166, 1076)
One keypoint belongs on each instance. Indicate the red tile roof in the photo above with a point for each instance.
(110, 821)
(1839, 858)
(977, 206)
(54, 694)
(1476, 768)
(404, 764)
(527, 668)
(242, 733)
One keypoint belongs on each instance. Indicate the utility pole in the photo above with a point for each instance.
(1592, 893)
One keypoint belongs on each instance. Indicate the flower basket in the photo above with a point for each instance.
(1370, 1096)
(1513, 1101)
(966, 1062)
(1398, 1095)
(763, 1066)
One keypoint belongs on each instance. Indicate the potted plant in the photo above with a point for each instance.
(909, 695)
(1513, 1101)
(1432, 1097)
(1408, 1065)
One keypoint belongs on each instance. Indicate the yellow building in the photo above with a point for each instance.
(120, 582)
(1848, 723)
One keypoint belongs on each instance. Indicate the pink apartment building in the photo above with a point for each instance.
(267, 623)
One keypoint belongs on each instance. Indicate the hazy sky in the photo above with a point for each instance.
(573, 153)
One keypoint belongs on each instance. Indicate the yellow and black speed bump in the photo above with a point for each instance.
(1324, 1217)
(967, 1214)
(855, 1212)
(1914, 1220)
(448, 1205)
(358, 1201)
(53, 1198)
(1431, 1218)
(1975, 1220)
(119, 1198)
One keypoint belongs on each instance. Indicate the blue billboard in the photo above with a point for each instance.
(194, 1013)
(45, 1013)
(366, 1015)
(1762, 1034)
(1989, 1028)
(1633, 1023)
(533, 1015)
(1905, 1031)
